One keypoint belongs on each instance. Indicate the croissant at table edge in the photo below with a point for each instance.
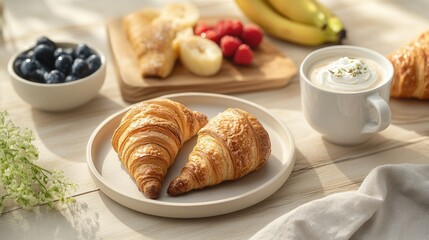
(411, 64)
(233, 144)
(149, 137)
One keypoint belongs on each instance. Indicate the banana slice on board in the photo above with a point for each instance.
(182, 15)
(182, 34)
(200, 56)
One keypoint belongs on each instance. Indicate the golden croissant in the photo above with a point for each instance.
(149, 137)
(233, 144)
(411, 64)
(152, 42)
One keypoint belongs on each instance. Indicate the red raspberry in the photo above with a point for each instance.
(243, 55)
(229, 27)
(229, 45)
(202, 27)
(252, 35)
(212, 35)
(236, 28)
(222, 28)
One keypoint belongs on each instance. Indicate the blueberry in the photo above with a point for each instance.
(82, 51)
(63, 51)
(80, 68)
(45, 55)
(54, 76)
(46, 41)
(19, 59)
(94, 63)
(38, 75)
(28, 66)
(29, 54)
(17, 63)
(71, 78)
(30, 69)
(64, 63)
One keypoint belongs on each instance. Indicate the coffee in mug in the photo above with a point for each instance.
(345, 92)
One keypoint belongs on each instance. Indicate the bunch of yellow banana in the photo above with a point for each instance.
(305, 22)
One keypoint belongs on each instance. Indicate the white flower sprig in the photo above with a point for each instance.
(23, 181)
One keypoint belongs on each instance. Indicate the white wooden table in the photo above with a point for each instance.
(320, 169)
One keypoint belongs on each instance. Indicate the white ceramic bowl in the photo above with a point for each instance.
(59, 96)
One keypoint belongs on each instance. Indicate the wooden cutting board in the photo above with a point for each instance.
(269, 69)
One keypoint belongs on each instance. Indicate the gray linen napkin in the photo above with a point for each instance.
(391, 203)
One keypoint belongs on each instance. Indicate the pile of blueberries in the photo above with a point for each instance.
(48, 63)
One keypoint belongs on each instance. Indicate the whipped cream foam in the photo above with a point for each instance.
(346, 74)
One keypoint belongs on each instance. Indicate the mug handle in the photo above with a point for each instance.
(383, 113)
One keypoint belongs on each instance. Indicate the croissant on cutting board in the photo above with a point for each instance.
(149, 137)
(152, 42)
(411, 64)
(233, 144)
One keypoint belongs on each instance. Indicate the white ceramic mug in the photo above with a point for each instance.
(346, 118)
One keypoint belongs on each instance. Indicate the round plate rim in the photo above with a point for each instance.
(101, 180)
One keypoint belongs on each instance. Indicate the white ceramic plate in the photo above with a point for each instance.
(112, 178)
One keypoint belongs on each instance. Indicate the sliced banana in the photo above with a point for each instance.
(182, 34)
(182, 15)
(200, 56)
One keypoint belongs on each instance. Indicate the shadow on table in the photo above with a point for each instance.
(289, 100)
(418, 8)
(411, 114)
(66, 133)
(70, 222)
(302, 186)
(379, 150)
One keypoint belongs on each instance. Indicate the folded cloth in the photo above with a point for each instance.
(391, 203)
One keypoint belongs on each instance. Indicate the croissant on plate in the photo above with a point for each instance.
(152, 42)
(233, 144)
(411, 64)
(149, 137)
